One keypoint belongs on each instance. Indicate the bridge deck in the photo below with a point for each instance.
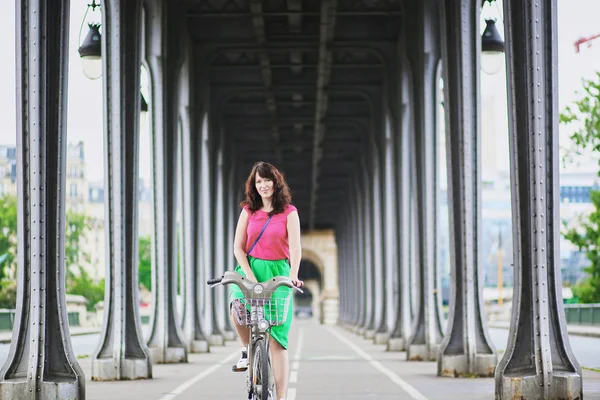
(327, 363)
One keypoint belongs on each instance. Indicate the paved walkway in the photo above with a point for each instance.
(327, 363)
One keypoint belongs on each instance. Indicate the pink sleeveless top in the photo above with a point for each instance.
(273, 244)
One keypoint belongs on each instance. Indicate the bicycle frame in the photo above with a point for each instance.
(255, 296)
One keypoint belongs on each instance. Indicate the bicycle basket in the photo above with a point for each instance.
(272, 307)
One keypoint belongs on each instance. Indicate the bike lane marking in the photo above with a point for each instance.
(296, 365)
(191, 382)
(408, 388)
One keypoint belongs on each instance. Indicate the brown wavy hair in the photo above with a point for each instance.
(282, 195)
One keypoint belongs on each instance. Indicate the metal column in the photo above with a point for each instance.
(41, 363)
(402, 330)
(466, 348)
(166, 341)
(192, 323)
(390, 218)
(122, 353)
(538, 362)
(219, 239)
(379, 311)
(424, 55)
(367, 216)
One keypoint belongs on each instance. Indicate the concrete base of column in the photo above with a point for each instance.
(229, 335)
(457, 366)
(354, 328)
(216, 340)
(104, 370)
(396, 344)
(48, 390)
(361, 331)
(422, 352)
(170, 355)
(199, 346)
(381, 338)
(563, 385)
(370, 334)
(330, 311)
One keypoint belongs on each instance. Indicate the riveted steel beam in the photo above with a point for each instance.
(380, 334)
(166, 341)
(122, 353)
(41, 363)
(424, 54)
(402, 330)
(391, 221)
(267, 75)
(538, 362)
(193, 331)
(328, 10)
(292, 13)
(466, 348)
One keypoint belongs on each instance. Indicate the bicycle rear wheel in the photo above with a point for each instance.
(260, 368)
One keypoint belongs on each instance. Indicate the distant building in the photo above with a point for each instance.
(8, 170)
(77, 185)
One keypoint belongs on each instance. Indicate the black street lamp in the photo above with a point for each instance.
(90, 50)
(492, 44)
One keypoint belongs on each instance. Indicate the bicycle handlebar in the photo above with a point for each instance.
(253, 289)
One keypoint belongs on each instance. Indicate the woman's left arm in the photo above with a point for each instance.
(293, 228)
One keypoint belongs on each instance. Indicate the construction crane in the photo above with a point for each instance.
(587, 40)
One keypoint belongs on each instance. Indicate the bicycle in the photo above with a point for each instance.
(261, 308)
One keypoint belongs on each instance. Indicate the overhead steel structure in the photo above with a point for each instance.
(342, 96)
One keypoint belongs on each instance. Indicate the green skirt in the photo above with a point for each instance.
(265, 270)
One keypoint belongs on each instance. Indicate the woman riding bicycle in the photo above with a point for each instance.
(268, 216)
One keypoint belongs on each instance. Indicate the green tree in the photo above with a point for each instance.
(584, 114)
(77, 228)
(78, 225)
(8, 250)
(145, 261)
(8, 234)
(587, 238)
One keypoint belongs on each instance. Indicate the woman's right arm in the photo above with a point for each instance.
(239, 244)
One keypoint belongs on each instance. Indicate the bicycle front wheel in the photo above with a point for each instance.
(260, 367)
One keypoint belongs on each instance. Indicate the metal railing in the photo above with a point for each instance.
(7, 319)
(582, 314)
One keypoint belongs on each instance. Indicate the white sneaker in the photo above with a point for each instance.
(242, 363)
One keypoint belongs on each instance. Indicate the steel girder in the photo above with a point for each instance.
(219, 238)
(41, 363)
(424, 54)
(368, 329)
(390, 221)
(364, 281)
(538, 362)
(402, 330)
(379, 264)
(193, 332)
(466, 348)
(122, 353)
(166, 341)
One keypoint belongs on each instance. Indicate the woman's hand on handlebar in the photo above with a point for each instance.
(297, 282)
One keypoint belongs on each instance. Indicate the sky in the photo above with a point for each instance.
(576, 18)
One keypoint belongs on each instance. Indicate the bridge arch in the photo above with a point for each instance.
(320, 249)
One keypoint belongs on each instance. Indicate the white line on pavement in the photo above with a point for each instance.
(186, 385)
(291, 394)
(295, 365)
(414, 393)
(294, 377)
(299, 346)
